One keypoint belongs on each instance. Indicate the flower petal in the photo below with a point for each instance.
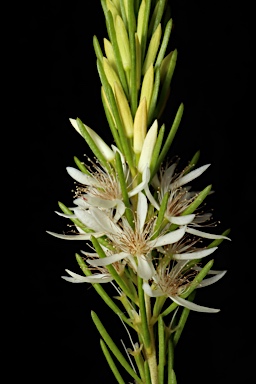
(85, 236)
(87, 219)
(81, 177)
(181, 220)
(189, 176)
(206, 235)
(211, 280)
(194, 307)
(169, 238)
(151, 292)
(96, 278)
(142, 210)
(148, 146)
(104, 221)
(194, 255)
(145, 268)
(107, 260)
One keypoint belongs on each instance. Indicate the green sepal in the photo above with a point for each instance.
(161, 350)
(112, 270)
(81, 166)
(101, 291)
(112, 346)
(111, 363)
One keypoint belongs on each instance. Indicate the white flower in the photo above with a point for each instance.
(174, 281)
(133, 245)
(102, 189)
(95, 278)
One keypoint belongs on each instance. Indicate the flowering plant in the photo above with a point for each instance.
(144, 222)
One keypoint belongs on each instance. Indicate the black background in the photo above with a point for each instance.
(57, 79)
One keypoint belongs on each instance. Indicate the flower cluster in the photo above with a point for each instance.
(145, 223)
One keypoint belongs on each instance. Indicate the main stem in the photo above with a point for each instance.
(151, 352)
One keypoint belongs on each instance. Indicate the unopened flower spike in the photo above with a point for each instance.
(145, 226)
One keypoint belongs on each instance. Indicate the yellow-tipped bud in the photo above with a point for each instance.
(124, 110)
(105, 100)
(164, 66)
(140, 126)
(141, 17)
(110, 53)
(123, 42)
(138, 61)
(147, 85)
(152, 49)
(110, 73)
(112, 8)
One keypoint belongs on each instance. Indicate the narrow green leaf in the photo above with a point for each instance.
(97, 48)
(217, 242)
(81, 166)
(111, 363)
(157, 148)
(166, 85)
(153, 101)
(159, 14)
(112, 346)
(165, 41)
(160, 216)
(92, 145)
(161, 350)
(169, 139)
